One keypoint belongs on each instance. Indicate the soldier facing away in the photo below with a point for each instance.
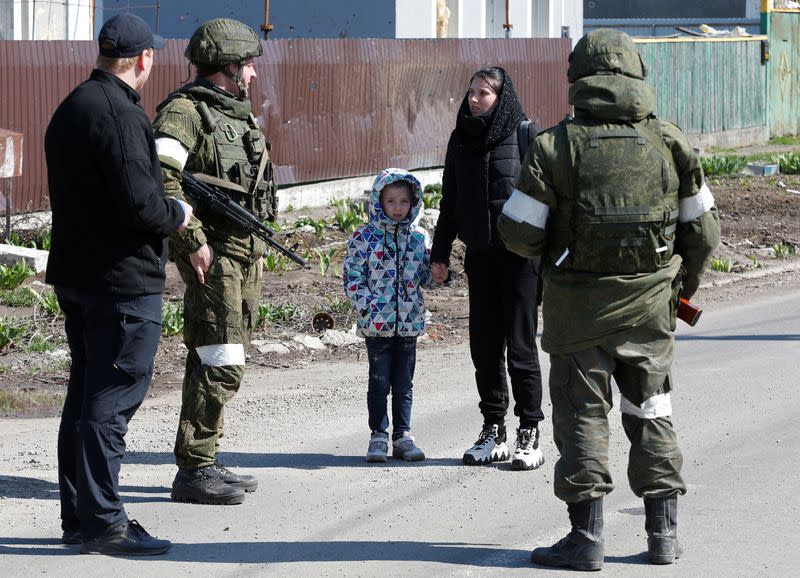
(206, 127)
(615, 201)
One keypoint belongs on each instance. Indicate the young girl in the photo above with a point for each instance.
(388, 261)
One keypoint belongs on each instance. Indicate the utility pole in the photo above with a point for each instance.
(266, 28)
(508, 26)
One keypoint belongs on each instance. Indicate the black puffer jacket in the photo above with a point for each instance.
(481, 167)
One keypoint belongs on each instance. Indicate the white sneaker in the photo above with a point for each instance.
(404, 449)
(528, 454)
(378, 447)
(488, 448)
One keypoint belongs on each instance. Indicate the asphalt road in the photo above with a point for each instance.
(322, 510)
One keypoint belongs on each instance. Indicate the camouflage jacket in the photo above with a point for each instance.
(581, 308)
(203, 129)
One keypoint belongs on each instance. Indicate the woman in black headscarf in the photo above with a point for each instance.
(481, 168)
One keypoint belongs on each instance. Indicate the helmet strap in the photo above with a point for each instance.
(237, 78)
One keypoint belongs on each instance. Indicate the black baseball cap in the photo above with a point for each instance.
(127, 35)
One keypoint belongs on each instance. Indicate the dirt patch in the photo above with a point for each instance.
(756, 214)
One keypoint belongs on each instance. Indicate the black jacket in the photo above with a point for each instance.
(111, 218)
(481, 168)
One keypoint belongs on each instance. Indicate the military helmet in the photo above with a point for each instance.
(605, 51)
(222, 41)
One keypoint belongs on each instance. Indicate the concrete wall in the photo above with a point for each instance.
(31, 20)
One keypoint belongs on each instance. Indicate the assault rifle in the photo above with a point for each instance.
(218, 202)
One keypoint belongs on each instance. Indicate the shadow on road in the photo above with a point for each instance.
(783, 337)
(35, 489)
(293, 460)
(480, 555)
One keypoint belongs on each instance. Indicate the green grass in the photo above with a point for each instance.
(722, 265)
(325, 259)
(271, 314)
(48, 303)
(275, 262)
(319, 225)
(39, 343)
(10, 332)
(432, 196)
(19, 297)
(32, 239)
(349, 218)
(12, 276)
(722, 165)
(15, 401)
(172, 319)
(784, 250)
(789, 163)
(785, 140)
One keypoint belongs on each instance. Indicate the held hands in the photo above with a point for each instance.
(201, 261)
(439, 272)
(187, 215)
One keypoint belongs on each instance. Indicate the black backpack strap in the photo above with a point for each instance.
(526, 132)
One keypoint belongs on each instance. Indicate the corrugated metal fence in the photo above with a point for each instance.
(332, 108)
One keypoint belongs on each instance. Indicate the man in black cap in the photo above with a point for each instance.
(111, 220)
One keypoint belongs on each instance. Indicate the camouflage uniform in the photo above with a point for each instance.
(207, 131)
(615, 201)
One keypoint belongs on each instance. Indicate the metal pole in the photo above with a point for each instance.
(8, 210)
(266, 28)
(508, 26)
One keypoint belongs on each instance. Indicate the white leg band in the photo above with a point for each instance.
(656, 406)
(221, 355)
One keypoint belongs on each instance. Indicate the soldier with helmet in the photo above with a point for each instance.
(207, 127)
(615, 201)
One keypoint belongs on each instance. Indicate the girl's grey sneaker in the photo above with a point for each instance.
(378, 447)
(489, 447)
(404, 449)
(528, 454)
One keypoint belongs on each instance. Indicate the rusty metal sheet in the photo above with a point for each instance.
(332, 108)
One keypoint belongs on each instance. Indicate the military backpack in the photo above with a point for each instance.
(621, 213)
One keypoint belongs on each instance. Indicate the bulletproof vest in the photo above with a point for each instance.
(621, 212)
(243, 167)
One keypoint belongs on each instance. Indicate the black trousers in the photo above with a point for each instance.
(112, 342)
(503, 310)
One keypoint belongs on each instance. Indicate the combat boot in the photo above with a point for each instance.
(582, 548)
(661, 523)
(245, 482)
(204, 486)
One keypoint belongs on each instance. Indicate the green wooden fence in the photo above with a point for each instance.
(783, 85)
(708, 86)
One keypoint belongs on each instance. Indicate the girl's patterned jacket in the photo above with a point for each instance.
(386, 265)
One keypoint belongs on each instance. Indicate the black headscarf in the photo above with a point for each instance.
(480, 134)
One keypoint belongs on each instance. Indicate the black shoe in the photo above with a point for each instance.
(125, 539)
(205, 486)
(246, 483)
(71, 537)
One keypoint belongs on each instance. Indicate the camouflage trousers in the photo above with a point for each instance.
(639, 360)
(219, 318)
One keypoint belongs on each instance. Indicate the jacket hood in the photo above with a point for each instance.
(483, 133)
(605, 51)
(607, 77)
(387, 177)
